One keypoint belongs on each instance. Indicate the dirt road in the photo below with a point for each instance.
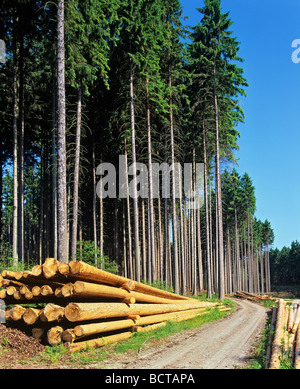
(223, 344)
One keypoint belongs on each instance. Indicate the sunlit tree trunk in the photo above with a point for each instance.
(62, 244)
(76, 176)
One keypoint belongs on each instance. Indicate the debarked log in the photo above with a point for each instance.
(99, 342)
(54, 335)
(150, 327)
(90, 311)
(50, 267)
(93, 274)
(296, 319)
(16, 312)
(31, 315)
(297, 350)
(83, 330)
(278, 336)
(53, 312)
(87, 289)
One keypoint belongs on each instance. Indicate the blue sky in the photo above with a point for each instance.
(270, 137)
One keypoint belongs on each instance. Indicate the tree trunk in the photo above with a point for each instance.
(151, 208)
(76, 176)
(237, 250)
(135, 199)
(54, 177)
(21, 157)
(130, 264)
(144, 241)
(208, 248)
(174, 215)
(94, 201)
(261, 270)
(15, 157)
(1, 194)
(62, 244)
(219, 198)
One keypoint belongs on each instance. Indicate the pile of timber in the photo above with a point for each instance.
(80, 305)
(286, 340)
(253, 296)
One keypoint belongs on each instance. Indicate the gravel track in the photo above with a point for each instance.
(223, 344)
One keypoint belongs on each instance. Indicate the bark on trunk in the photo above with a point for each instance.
(62, 248)
(76, 176)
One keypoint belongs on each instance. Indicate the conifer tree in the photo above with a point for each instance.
(213, 50)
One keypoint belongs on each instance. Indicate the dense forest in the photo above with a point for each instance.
(285, 265)
(87, 81)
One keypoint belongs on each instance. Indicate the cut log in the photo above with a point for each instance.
(67, 290)
(29, 295)
(73, 347)
(54, 335)
(297, 350)
(36, 290)
(46, 290)
(269, 347)
(248, 296)
(90, 292)
(58, 292)
(53, 312)
(23, 289)
(18, 296)
(296, 320)
(7, 317)
(18, 275)
(290, 319)
(11, 290)
(87, 289)
(68, 335)
(39, 333)
(8, 274)
(90, 311)
(278, 336)
(63, 268)
(37, 270)
(84, 330)
(50, 267)
(92, 274)
(4, 282)
(128, 285)
(31, 315)
(16, 312)
(3, 294)
(150, 327)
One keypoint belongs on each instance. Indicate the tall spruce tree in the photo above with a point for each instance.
(214, 53)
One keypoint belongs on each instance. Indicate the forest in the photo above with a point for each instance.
(85, 81)
(285, 265)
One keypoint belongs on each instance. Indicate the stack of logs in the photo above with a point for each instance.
(285, 330)
(285, 323)
(253, 296)
(75, 301)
